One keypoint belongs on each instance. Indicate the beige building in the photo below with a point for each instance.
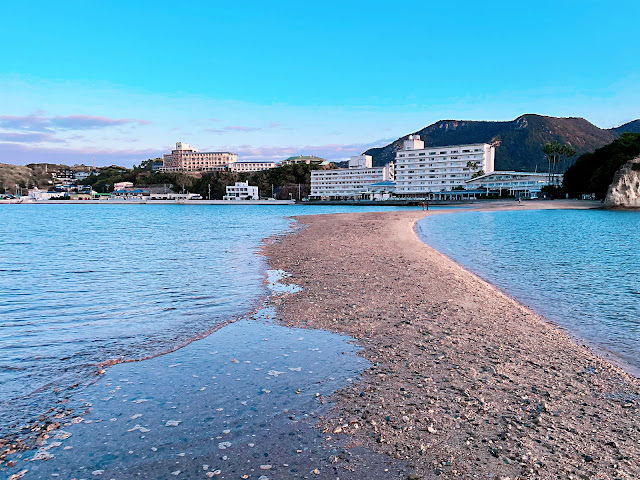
(185, 158)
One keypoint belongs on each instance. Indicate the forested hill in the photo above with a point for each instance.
(518, 142)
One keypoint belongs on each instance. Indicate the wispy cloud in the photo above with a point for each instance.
(21, 154)
(241, 128)
(331, 151)
(34, 137)
(41, 123)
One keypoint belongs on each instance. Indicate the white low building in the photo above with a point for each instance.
(421, 172)
(519, 184)
(349, 183)
(241, 191)
(36, 194)
(251, 166)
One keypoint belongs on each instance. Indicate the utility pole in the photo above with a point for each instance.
(209, 191)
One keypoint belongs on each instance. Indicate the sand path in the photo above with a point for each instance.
(465, 382)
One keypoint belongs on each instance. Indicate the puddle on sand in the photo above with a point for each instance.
(274, 282)
(242, 401)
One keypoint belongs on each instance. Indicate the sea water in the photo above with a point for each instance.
(81, 285)
(578, 268)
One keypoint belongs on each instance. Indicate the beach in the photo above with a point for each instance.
(464, 381)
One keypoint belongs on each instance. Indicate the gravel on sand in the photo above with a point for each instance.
(464, 381)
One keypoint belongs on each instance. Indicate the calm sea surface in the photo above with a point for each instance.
(578, 268)
(85, 284)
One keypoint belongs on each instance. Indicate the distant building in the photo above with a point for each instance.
(251, 166)
(156, 166)
(305, 160)
(241, 191)
(129, 193)
(519, 184)
(421, 171)
(63, 177)
(36, 194)
(81, 175)
(349, 183)
(185, 158)
(122, 185)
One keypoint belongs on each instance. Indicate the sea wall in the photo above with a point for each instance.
(624, 191)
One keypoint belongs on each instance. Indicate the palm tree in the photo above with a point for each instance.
(567, 152)
(554, 152)
(550, 150)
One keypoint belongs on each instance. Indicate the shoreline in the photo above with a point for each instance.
(598, 350)
(464, 378)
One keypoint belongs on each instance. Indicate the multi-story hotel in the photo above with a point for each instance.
(185, 158)
(420, 171)
(251, 166)
(348, 183)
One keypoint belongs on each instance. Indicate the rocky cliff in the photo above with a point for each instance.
(625, 189)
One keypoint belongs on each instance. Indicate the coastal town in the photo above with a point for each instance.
(418, 173)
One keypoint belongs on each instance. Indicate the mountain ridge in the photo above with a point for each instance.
(518, 142)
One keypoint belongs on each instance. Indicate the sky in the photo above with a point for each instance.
(122, 81)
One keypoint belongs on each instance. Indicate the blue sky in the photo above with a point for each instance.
(123, 81)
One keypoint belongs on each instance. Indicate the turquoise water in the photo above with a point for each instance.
(86, 284)
(578, 268)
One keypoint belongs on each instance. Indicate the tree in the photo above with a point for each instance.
(554, 152)
(473, 166)
(593, 172)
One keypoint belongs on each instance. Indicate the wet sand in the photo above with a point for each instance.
(464, 382)
(241, 403)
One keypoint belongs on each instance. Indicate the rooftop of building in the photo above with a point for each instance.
(426, 147)
(256, 161)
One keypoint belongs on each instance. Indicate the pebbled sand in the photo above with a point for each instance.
(465, 382)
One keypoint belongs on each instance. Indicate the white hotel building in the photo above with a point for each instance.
(185, 158)
(421, 171)
(349, 183)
